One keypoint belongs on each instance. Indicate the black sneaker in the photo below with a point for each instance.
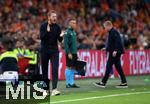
(74, 86)
(100, 84)
(68, 86)
(122, 85)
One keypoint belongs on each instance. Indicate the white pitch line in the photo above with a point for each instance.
(99, 97)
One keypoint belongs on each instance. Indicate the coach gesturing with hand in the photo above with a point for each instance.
(50, 35)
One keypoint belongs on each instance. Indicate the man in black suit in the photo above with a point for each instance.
(115, 48)
(50, 34)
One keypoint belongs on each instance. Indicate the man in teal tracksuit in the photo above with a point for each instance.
(71, 53)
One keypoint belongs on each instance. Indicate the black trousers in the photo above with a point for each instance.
(114, 61)
(71, 62)
(54, 59)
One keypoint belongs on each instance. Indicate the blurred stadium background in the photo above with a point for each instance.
(21, 19)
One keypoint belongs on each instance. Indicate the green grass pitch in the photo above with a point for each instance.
(137, 93)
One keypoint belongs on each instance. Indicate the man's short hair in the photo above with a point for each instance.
(71, 19)
(8, 43)
(108, 23)
(50, 12)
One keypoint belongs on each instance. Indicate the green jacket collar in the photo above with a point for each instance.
(70, 28)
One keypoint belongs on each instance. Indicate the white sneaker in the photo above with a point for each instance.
(45, 93)
(112, 76)
(55, 92)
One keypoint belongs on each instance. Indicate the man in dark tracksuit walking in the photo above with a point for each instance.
(50, 35)
(115, 48)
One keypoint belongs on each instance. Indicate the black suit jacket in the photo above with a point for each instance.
(49, 40)
(114, 42)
